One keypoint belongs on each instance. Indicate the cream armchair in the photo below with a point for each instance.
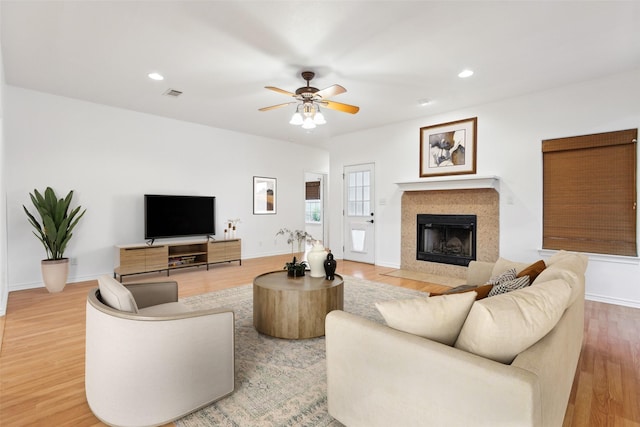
(149, 358)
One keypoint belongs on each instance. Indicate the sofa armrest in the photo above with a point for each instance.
(378, 376)
(153, 293)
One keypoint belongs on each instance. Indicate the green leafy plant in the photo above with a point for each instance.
(293, 236)
(295, 268)
(56, 222)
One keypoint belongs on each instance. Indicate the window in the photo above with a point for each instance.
(313, 202)
(589, 193)
(358, 202)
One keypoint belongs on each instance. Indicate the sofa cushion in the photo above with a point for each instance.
(575, 261)
(533, 270)
(437, 318)
(478, 272)
(509, 285)
(166, 309)
(556, 273)
(501, 327)
(116, 295)
(569, 267)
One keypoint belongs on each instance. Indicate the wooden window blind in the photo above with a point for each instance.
(589, 193)
(312, 190)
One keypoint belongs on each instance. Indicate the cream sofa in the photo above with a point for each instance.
(379, 376)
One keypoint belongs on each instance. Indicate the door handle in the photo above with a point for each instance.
(371, 221)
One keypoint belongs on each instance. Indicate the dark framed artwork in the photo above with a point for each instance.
(448, 148)
(264, 195)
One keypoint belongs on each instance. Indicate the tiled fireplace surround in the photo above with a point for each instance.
(482, 202)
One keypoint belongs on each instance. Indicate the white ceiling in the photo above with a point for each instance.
(387, 54)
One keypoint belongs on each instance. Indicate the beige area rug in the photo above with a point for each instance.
(427, 277)
(281, 382)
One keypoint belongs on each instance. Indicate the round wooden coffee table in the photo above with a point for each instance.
(294, 308)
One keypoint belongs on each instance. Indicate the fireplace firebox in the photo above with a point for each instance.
(447, 239)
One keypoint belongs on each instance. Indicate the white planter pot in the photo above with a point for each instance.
(55, 273)
(316, 257)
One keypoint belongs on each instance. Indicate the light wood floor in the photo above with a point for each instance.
(42, 352)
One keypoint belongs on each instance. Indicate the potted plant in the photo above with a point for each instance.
(294, 268)
(54, 231)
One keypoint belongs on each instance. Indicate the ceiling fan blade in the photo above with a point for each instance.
(330, 91)
(282, 91)
(345, 108)
(273, 107)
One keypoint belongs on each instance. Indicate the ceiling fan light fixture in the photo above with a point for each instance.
(308, 109)
(318, 118)
(296, 119)
(308, 99)
(308, 123)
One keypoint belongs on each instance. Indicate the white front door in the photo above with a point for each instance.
(359, 231)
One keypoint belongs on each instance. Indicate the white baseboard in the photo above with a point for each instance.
(614, 301)
(71, 281)
(389, 265)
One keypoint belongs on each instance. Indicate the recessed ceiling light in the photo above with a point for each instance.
(423, 102)
(155, 76)
(465, 73)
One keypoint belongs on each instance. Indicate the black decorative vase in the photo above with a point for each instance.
(330, 267)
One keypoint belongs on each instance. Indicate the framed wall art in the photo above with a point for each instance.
(448, 148)
(264, 195)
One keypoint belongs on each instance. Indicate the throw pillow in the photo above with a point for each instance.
(481, 291)
(509, 285)
(533, 270)
(437, 318)
(116, 295)
(458, 289)
(501, 327)
(505, 276)
(503, 264)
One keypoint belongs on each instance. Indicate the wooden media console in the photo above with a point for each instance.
(138, 259)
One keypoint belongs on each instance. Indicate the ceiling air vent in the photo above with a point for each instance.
(172, 92)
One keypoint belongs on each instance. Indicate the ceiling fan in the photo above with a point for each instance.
(309, 100)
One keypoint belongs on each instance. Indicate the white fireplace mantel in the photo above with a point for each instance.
(454, 182)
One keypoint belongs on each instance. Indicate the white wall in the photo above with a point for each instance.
(509, 146)
(111, 157)
(4, 288)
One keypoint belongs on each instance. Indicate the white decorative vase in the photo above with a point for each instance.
(316, 257)
(54, 274)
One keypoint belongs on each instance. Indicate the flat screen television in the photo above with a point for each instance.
(178, 216)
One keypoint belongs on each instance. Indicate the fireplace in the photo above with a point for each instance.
(447, 239)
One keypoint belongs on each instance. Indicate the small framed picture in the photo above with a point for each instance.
(448, 148)
(264, 195)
